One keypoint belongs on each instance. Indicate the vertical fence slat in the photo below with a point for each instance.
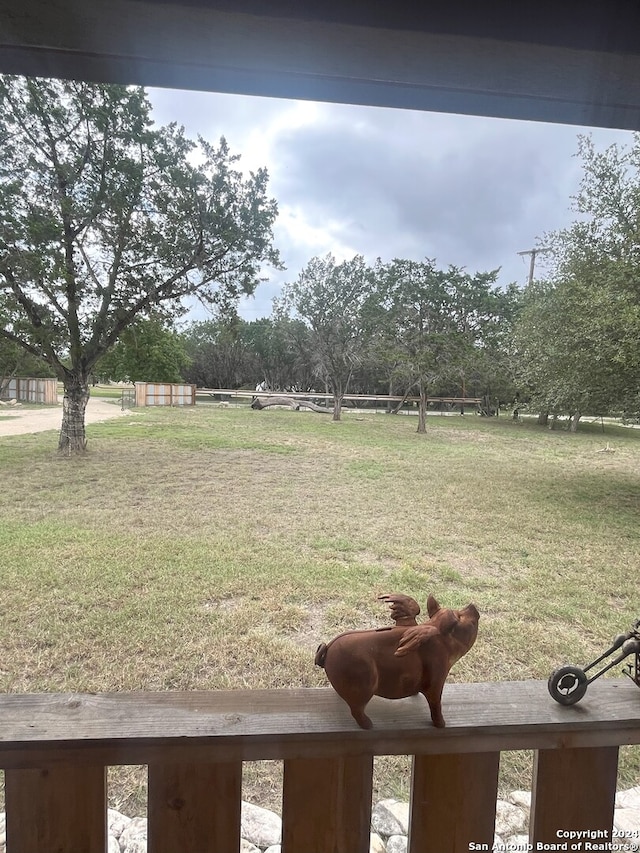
(56, 809)
(453, 802)
(327, 805)
(195, 808)
(573, 789)
(32, 390)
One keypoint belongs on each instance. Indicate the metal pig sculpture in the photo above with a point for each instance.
(401, 660)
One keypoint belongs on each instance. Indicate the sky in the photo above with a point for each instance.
(463, 190)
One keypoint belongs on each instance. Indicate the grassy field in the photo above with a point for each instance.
(110, 392)
(252, 536)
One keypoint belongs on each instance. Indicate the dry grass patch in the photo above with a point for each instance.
(253, 536)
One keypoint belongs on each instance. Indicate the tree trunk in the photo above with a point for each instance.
(573, 422)
(337, 405)
(543, 418)
(260, 403)
(76, 396)
(398, 406)
(422, 410)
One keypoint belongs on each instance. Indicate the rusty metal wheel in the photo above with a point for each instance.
(568, 684)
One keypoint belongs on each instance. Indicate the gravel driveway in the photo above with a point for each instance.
(21, 420)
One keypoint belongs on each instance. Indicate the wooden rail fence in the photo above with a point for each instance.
(55, 749)
(353, 398)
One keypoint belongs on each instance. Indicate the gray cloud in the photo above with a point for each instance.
(467, 191)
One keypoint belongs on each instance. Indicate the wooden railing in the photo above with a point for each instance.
(55, 750)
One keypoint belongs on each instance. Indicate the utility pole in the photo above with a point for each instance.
(532, 265)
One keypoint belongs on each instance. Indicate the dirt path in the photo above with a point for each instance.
(21, 420)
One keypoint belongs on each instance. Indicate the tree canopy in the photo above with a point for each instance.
(435, 327)
(576, 339)
(146, 352)
(330, 297)
(105, 219)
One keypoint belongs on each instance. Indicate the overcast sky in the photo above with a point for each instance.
(467, 191)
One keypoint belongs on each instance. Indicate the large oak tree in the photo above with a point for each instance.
(105, 218)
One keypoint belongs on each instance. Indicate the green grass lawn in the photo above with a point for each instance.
(109, 392)
(216, 547)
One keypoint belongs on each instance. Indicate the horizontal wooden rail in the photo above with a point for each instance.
(299, 395)
(55, 748)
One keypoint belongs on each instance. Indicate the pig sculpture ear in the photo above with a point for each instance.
(413, 638)
(432, 606)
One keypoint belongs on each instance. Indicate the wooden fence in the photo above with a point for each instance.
(31, 390)
(55, 750)
(240, 394)
(165, 394)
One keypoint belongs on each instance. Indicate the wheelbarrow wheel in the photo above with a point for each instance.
(568, 684)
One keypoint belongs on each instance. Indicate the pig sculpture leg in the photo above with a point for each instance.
(431, 688)
(433, 695)
(358, 714)
(353, 680)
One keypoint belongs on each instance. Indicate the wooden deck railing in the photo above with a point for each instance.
(55, 748)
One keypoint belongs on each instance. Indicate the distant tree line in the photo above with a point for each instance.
(107, 226)
(400, 328)
(564, 347)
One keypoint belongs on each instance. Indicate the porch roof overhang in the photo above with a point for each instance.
(573, 62)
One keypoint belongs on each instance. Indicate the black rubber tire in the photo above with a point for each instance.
(567, 685)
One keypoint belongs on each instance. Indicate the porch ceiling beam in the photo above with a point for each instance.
(453, 59)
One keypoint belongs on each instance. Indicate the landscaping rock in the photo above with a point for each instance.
(390, 817)
(397, 844)
(113, 845)
(627, 821)
(248, 847)
(260, 826)
(520, 798)
(134, 836)
(629, 799)
(376, 844)
(117, 822)
(510, 819)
